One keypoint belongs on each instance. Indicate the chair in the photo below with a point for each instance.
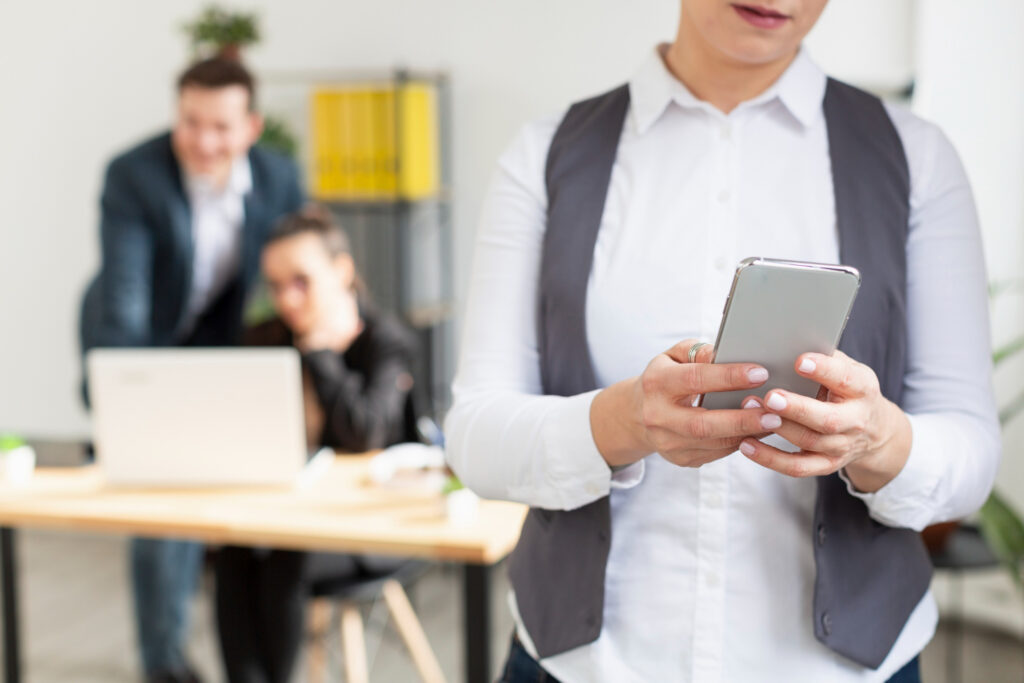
(349, 593)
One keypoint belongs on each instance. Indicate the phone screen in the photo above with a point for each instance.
(777, 310)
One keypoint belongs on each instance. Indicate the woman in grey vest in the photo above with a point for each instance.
(670, 543)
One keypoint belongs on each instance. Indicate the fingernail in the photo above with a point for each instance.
(747, 448)
(752, 403)
(807, 365)
(776, 402)
(757, 375)
(770, 421)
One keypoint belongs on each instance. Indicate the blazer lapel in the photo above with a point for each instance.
(254, 227)
(180, 216)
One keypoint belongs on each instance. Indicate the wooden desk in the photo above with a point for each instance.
(342, 511)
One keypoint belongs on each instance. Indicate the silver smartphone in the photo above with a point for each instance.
(777, 310)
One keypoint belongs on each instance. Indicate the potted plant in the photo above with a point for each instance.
(278, 137)
(1000, 524)
(220, 32)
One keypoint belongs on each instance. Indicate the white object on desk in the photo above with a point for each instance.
(17, 465)
(462, 506)
(315, 468)
(409, 463)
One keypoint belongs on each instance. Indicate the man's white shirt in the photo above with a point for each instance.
(710, 575)
(217, 218)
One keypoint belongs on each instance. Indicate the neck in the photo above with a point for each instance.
(716, 78)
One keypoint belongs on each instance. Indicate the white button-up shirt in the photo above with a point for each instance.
(217, 218)
(711, 571)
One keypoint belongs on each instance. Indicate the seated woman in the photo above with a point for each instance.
(356, 380)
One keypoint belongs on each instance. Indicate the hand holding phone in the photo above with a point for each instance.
(777, 310)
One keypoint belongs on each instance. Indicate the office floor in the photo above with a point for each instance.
(77, 624)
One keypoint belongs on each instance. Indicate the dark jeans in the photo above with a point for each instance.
(164, 576)
(261, 605)
(520, 667)
(910, 673)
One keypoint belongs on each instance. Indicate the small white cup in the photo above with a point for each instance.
(461, 506)
(17, 465)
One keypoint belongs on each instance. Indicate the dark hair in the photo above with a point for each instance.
(315, 220)
(219, 72)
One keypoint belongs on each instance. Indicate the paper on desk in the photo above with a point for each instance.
(411, 464)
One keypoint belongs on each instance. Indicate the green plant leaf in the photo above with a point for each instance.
(217, 28)
(453, 484)
(277, 136)
(8, 442)
(1012, 409)
(998, 287)
(1007, 350)
(1003, 530)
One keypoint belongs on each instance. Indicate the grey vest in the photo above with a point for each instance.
(869, 576)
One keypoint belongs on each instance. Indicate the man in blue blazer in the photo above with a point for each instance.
(183, 219)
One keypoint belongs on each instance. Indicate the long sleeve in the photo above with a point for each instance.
(504, 439)
(363, 394)
(947, 390)
(127, 276)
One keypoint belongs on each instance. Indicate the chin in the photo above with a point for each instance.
(206, 168)
(755, 50)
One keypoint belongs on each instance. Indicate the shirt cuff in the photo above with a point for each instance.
(574, 470)
(908, 500)
(628, 476)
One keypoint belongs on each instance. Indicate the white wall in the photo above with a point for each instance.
(976, 95)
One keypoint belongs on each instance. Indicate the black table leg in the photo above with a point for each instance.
(476, 583)
(8, 574)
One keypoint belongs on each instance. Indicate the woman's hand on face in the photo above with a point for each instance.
(849, 425)
(655, 413)
(334, 332)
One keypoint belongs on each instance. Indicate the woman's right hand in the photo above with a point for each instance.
(655, 413)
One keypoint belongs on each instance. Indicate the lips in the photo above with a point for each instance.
(761, 17)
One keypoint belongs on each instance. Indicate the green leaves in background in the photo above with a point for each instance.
(1007, 350)
(1000, 524)
(8, 442)
(278, 137)
(217, 29)
(1004, 532)
(452, 484)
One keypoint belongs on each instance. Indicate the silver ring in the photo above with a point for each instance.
(691, 355)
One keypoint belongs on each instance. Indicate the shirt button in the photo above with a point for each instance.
(821, 534)
(711, 580)
(723, 196)
(720, 263)
(714, 501)
(826, 623)
(726, 131)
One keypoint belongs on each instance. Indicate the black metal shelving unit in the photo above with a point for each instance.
(402, 247)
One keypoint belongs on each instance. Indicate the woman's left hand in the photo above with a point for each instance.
(849, 425)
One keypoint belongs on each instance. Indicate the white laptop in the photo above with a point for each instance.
(198, 417)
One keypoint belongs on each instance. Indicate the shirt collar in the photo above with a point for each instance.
(801, 89)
